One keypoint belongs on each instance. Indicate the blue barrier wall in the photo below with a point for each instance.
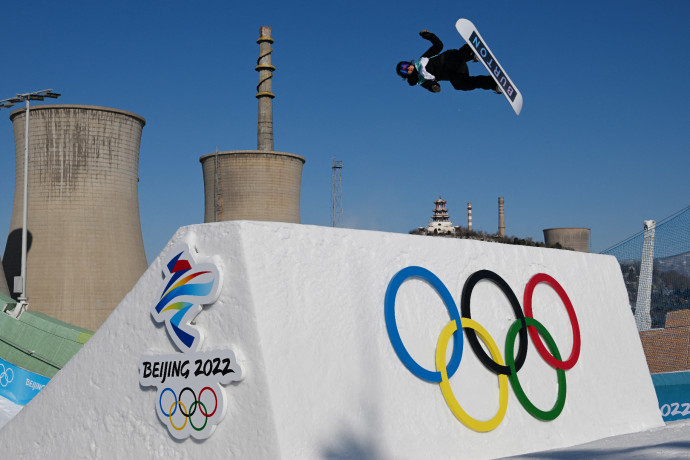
(19, 385)
(673, 393)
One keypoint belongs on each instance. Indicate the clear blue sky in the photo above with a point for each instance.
(602, 141)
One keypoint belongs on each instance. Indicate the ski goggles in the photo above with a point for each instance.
(404, 68)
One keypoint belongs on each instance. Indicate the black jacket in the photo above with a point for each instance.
(444, 66)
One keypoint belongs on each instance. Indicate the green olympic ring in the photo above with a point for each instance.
(533, 410)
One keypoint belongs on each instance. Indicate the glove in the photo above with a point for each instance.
(426, 34)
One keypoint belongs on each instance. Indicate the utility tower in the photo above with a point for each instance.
(337, 196)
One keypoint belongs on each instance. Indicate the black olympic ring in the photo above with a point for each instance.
(193, 403)
(472, 335)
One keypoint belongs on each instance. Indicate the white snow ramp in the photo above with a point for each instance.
(334, 335)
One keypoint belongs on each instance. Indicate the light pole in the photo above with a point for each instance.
(6, 103)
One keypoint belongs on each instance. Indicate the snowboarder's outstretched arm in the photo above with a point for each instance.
(409, 70)
(436, 44)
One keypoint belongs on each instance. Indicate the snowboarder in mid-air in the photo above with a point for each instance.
(450, 65)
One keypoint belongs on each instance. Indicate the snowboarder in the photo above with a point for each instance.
(450, 65)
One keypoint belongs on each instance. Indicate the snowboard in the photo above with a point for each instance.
(469, 32)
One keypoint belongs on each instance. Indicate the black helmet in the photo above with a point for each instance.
(404, 68)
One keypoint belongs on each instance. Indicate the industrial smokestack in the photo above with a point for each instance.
(264, 90)
(257, 184)
(501, 218)
(469, 216)
(85, 249)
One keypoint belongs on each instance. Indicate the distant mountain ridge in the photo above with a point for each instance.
(679, 263)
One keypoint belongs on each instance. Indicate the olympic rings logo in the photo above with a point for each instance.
(506, 370)
(194, 404)
(6, 375)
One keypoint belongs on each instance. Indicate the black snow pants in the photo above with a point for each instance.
(451, 65)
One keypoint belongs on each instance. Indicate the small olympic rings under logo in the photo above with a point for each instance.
(194, 403)
(6, 375)
(505, 370)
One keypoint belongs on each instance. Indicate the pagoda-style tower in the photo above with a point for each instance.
(440, 222)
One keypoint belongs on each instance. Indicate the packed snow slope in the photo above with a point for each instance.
(304, 309)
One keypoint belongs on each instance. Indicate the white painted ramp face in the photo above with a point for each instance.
(303, 309)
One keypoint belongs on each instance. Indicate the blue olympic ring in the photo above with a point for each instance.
(392, 327)
(160, 402)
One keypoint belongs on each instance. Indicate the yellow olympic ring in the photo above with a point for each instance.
(171, 412)
(459, 412)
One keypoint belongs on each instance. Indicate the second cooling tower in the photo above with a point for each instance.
(85, 247)
(252, 185)
(575, 238)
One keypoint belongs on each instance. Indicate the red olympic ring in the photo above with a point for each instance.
(216, 405)
(548, 357)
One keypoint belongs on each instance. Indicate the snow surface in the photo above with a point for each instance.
(303, 309)
(670, 441)
(8, 410)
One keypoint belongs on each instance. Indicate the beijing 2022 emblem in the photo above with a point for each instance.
(190, 400)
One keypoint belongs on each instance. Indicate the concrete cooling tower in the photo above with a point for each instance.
(85, 248)
(252, 185)
(257, 184)
(4, 289)
(575, 238)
